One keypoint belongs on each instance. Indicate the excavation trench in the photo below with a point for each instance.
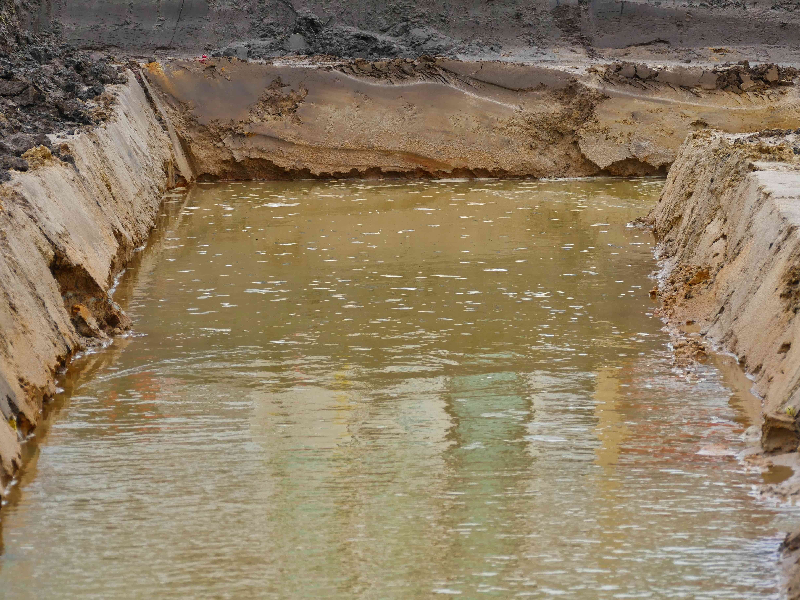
(341, 377)
(426, 387)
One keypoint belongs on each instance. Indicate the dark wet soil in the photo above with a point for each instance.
(47, 88)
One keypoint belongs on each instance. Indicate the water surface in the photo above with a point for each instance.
(392, 390)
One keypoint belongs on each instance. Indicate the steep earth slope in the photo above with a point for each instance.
(66, 229)
(728, 228)
(447, 117)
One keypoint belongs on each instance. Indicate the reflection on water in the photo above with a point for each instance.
(392, 390)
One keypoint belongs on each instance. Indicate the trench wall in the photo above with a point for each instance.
(67, 228)
(244, 120)
(728, 231)
(65, 231)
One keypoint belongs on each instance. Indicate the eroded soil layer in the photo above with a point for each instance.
(66, 229)
(727, 226)
(442, 117)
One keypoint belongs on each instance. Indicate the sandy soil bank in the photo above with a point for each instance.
(441, 117)
(66, 229)
(728, 229)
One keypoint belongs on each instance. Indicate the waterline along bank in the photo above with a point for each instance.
(330, 399)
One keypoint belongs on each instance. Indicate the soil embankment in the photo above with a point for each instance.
(728, 229)
(434, 117)
(66, 229)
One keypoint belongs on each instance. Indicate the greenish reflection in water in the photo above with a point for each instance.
(392, 390)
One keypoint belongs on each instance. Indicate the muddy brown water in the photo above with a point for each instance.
(393, 390)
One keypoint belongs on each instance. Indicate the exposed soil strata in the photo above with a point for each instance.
(729, 242)
(440, 117)
(66, 228)
(319, 121)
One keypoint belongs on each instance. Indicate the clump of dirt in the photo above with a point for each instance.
(92, 312)
(38, 156)
(688, 350)
(791, 289)
(276, 103)
(738, 78)
(682, 284)
(396, 70)
(780, 432)
(48, 88)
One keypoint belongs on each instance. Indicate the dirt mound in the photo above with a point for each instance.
(47, 88)
(737, 78)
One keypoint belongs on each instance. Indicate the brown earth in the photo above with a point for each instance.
(66, 229)
(435, 117)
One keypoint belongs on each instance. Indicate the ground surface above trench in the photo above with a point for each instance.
(393, 389)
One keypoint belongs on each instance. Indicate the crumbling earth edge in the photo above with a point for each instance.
(66, 229)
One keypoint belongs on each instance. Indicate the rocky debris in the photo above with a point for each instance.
(737, 78)
(276, 102)
(396, 70)
(106, 318)
(780, 433)
(791, 542)
(46, 88)
(791, 289)
(569, 20)
(688, 350)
